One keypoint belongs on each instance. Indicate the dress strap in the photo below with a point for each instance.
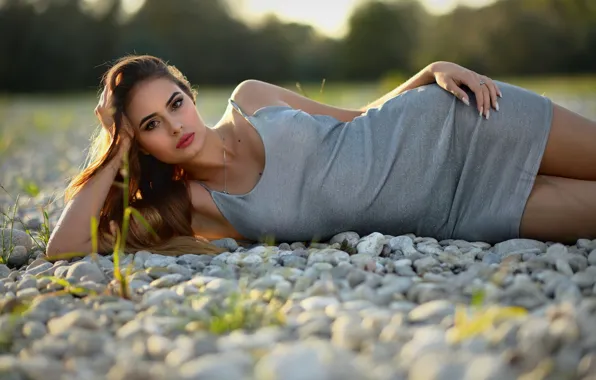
(237, 108)
(204, 186)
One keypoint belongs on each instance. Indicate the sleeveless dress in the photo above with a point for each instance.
(422, 163)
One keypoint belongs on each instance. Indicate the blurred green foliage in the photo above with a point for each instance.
(66, 45)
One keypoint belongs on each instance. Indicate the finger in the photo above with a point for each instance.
(453, 88)
(102, 95)
(486, 98)
(473, 82)
(492, 89)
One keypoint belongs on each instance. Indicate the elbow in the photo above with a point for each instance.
(56, 250)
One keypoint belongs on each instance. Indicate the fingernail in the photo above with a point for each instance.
(487, 114)
(481, 109)
(466, 101)
(497, 107)
(500, 94)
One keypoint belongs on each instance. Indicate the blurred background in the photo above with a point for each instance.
(344, 52)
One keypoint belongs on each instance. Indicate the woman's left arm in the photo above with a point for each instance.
(254, 94)
(450, 77)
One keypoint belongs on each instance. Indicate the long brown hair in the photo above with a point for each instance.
(157, 190)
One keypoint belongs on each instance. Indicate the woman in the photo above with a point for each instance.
(491, 163)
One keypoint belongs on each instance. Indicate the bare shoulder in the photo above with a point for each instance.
(253, 94)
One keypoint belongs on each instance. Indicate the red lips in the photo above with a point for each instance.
(186, 138)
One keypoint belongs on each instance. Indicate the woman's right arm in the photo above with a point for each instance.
(73, 230)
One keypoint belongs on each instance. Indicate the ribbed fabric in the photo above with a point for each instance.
(422, 163)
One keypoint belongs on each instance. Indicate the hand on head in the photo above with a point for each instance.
(105, 113)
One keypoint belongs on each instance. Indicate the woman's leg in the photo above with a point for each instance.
(571, 148)
(561, 210)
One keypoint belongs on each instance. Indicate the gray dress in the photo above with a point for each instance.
(422, 163)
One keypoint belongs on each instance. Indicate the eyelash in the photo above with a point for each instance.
(175, 105)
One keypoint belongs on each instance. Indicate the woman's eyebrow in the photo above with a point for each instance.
(154, 113)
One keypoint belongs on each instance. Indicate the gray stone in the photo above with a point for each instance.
(27, 282)
(403, 243)
(431, 312)
(293, 261)
(160, 296)
(491, 258)
(140, 257)
(159, 261)
(356, 277)
(347, 332)
(169, 280)
(584, 279)
(567, 291)
(350, 237)
(227, 243)
(372, 244)
(34, 330)
(84, 269)
(518, 244)
(252, 260)
(18, 238)
(592, 257)
(18, 257)
(425, 264)
(318, 302)
(313, 359)
(331, 256)
(41, 368)
(233, 365)
(27, 293)
(563, 267)
(76, 318)
(429, 249)
(4, 271)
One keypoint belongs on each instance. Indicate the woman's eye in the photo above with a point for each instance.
(150, 125)
(177, 104)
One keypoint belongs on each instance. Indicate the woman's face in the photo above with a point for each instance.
(161, 114)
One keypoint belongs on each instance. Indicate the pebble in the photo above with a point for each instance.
(18, 257)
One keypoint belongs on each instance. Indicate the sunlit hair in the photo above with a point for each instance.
(157, 190)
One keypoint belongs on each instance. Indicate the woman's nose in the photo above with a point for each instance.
(177, 129)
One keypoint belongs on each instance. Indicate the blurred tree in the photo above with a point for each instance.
(382, 37)
(65, 45)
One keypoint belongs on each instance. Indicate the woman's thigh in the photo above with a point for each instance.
(560, 209)
(571, 148)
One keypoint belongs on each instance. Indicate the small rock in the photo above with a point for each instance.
(592, 257)
(403, 243)
(159, 261)
(19, 238)
(252, 260)
(518, 244)
(77, 318)
(425, 264)
(4, 271)
(168, 280)
(431, 312)
(89, 270)
(584, 279)
(18, 257)
(372, 244)
(233, 365)
(318, 302)
(563, 267)
(313, 359)
(159, 296)
(227, 243)
(350, 237)
(331, 256)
